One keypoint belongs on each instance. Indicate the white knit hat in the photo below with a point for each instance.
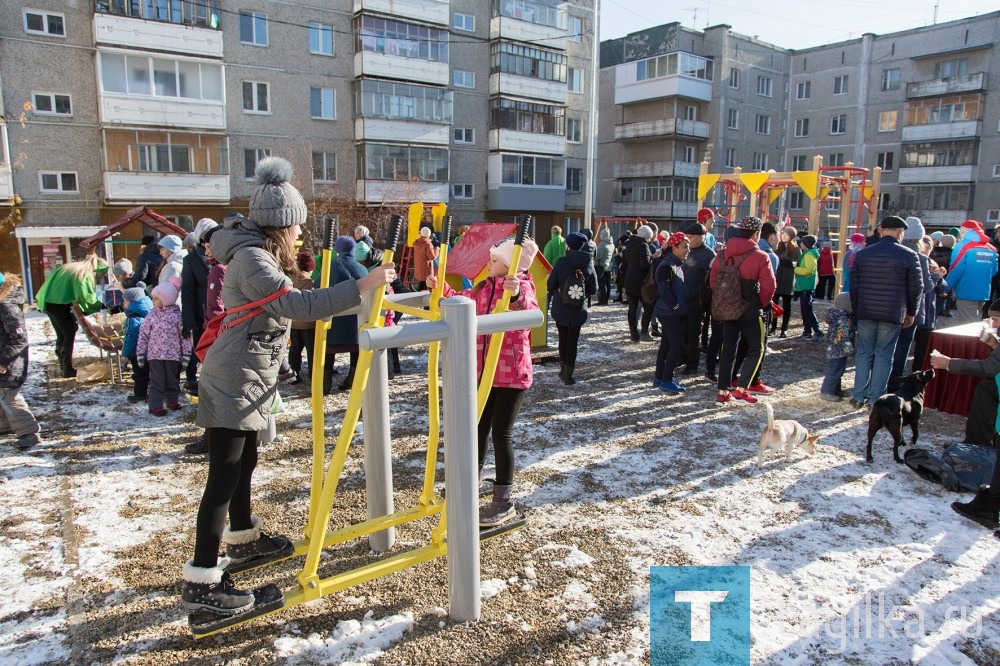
(503, 251)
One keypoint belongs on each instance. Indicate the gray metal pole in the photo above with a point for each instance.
(378, 444)
(458, 361)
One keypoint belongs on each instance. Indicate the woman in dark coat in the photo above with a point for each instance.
(343, 334)
(788, 257)
(671, 310)
(569, 319)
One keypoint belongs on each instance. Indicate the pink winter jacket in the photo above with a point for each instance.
(514, 368)
(160, 336)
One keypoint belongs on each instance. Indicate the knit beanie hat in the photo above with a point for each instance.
(644, 232)
(695, 229)
(705, 215)
(167, 291)
(122, 267)
(191, 240)
(305, 261)
(204, 224)
(503, 251)
(857, 238)
(948, 241)
(975, 225)
(275, 202)
(676, 238)
(170, 243)
(937, 236)
(954, 232)
(344, 245)
(604, 234)
(576, 241)
(843, 301)
(914, 229)
(361, 252)
(136, 293)
(588, 234)
(808, 240)
(425, 232)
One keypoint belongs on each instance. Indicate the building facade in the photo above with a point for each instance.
(112, 104)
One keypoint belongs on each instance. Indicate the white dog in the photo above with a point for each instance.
(787, 434)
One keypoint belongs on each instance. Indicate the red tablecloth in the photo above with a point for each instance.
(948, 392)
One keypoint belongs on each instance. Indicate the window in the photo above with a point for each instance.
(891, 79)
(464, 135)
(256, 97)
(887, 121)
(57, 181)
(690, 112)
(733, 119)
(321, 39)
(689, 152)
(203, 13)
(803, 90)
(51, 104)
(672, 64)
(798, 163)
(574, 130)
(835, 159)
(393, 100)
(131, 75)
(951, 109)
(936, 197)
(44, 23)
(324, 167)
(536, 171)
(383, 161)
(734, 79)
(253, 28)
(883, 200)
(375, 34)
(645, 190)
(574, 179)
(463, 191)
(884, 160)
(802, 127)
(164, 158)
(574, 80)
(950, 68)
(465, 22)
(323, 103)
(523, 116)
(760, 161)
(574, 26)
(993, 215)
(796, 200)
(251, 156)
(730, 158)
(529, 61)
(838, 124)
(762, 124)
(996, 170)
(840, 85)
(764, 86)
(940, 154)
(463, 79)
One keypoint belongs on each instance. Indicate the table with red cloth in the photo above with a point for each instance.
(949, 392)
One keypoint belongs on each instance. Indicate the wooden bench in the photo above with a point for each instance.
(107, 337)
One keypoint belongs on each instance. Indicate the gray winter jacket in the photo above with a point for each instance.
(238, 379)
(13, 334)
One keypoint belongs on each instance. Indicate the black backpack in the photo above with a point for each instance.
(573, 290)
(650, 291)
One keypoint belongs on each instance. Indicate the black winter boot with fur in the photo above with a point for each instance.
(212, 588)
(251, 548)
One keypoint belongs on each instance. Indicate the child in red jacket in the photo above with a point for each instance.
(825, 267)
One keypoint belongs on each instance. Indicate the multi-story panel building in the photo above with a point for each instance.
(172, 103)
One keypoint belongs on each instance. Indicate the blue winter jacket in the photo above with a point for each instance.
(562, 314)
(134, 314)
(344, 329)
(886, 284)
(766, 247)
(971, 276)
(670, 283)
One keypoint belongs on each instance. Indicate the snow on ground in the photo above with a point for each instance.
(850, 562)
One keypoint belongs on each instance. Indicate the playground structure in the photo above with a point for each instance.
(846, 192)
(450, 327)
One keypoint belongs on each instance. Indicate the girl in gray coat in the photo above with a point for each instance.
(238, 378)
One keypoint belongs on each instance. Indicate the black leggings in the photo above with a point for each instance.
(65, 326)
(569, 340)
(499, 415)
(232, 457)
(786, 305)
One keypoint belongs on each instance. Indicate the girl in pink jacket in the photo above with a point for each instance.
(163, 347)
(514, 372)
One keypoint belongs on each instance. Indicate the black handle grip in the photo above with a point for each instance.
(446, 229)
(395, 228)
(522, 229)
(330, 232)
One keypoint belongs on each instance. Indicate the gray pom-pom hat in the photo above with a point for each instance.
(275, 202)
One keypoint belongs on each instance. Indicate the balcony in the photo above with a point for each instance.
(504, 27)
(951, 86)
(526, 197)
(401, 131)
(382, 65)
(427, 11)
(937, 174)
(657, 170)
(527, 88)
(128, 187)
(658, 209)
(665, 127)
(162, 112)
(965, 129)
(136, 33)
(629, 90)
(526, 142)
(400, 191)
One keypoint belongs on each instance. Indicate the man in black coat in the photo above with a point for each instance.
(696, 268)
(886, 290)
(194, 297)
(636, 257)
(147, 266)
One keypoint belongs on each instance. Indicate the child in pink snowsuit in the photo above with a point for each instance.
(164, 348)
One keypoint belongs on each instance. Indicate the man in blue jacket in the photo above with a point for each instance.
(886, 289)
(973, 265)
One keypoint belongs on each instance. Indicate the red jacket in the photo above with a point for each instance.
(827, 262)
(757, 266)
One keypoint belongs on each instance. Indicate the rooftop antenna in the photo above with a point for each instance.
(936, 5)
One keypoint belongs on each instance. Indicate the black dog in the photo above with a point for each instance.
(894, 410)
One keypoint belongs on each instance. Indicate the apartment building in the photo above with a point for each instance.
(914, 103)
(111, 104)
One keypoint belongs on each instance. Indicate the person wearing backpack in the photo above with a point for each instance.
(742, 283)
(671, 309)
(571, 282)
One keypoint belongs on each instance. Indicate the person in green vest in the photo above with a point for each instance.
(805, 284)
(555, 249)
(75, 281)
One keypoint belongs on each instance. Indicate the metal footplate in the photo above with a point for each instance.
(266, 600)
(515, 523)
